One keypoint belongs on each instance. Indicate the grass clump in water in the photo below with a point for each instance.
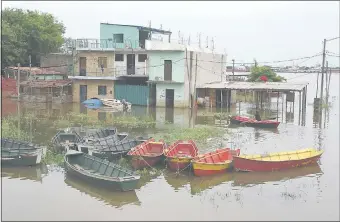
(126, 121)
(52, 158)
(10, 130)
(198, 134)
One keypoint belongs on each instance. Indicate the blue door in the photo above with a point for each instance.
(83, 93)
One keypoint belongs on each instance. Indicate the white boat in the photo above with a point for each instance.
(115, 103)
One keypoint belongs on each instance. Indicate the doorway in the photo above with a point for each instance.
(169, 98)
(168, 70)
(152, 95)
(130, 64)
(82, 66)
(82, 93)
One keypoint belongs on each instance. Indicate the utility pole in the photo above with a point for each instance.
(255, 62)
(30, 60)
(326, 78)
(18, 80)
(233, 67)
(194, 99)
(322, 74)
(221, 68)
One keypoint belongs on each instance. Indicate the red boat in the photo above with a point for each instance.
(276, 161)
(180, 154)
(246, 121)
(147, 154)
(214, 162)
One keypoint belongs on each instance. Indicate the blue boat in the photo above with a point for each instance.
(93, 102)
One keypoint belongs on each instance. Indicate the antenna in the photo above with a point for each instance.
(212, 44)
(199, 40)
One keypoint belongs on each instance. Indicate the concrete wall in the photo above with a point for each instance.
(92, 89)
(92, 68)
(209, 69)
(57, 59)
(156, 67)
(131, 35)
(179, 100)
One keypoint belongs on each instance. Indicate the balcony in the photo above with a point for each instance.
(119, 71)
(107, 44)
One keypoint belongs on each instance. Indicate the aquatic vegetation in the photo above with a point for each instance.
(126, 121)
(10, 129)
(198, 134)
(52, 158)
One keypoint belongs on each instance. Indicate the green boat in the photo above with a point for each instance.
(100, 172)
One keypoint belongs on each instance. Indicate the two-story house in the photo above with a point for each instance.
(175, 70)
(114, 66)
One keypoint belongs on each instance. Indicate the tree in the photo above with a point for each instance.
(257, 72)
(26, 32)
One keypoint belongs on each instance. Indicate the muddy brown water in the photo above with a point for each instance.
(309, 193)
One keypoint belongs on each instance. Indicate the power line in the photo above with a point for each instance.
(328, 40)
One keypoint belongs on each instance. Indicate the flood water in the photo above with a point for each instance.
(309, 193)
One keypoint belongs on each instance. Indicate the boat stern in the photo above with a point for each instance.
(204, 169)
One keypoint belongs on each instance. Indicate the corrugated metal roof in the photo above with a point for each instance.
(141, 27)
(92, 77)
(278, 86)
(37, 70)
(46, 83)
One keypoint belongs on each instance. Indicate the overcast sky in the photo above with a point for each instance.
(267, 31)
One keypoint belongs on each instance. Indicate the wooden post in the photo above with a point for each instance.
(277, 106)
(299, 107)
(282, 98)
(322, 74)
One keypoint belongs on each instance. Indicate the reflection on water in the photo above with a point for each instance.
(245, 179)
(313, 190)
(34, 173)
(116, 199)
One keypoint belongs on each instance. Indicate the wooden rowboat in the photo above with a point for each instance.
(20, 153)
(276, 161)
(179, 154)
(147, 154)
(100, 172)
(246, 121)
(214, 162)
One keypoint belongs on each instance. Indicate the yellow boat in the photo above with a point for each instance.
(277, 161)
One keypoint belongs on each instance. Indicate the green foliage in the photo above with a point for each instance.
(257, 72)
(198, 134)
(128, 121)
(26, 32)
(10, 129)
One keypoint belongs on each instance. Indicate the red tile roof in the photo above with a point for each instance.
(37, 70)
(46, 83)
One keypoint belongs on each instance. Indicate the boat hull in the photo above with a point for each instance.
(119, 185)
(22, 160)
(259, 124)
(176, 164)
(247, 165)
(139, 162)
(203, 169)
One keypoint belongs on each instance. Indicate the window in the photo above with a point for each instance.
(119, 57)
(102, 61)
(118, 38)
(102, 90)
(142, 57)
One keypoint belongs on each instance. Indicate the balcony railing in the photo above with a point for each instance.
(107, 44)
(113, 72)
